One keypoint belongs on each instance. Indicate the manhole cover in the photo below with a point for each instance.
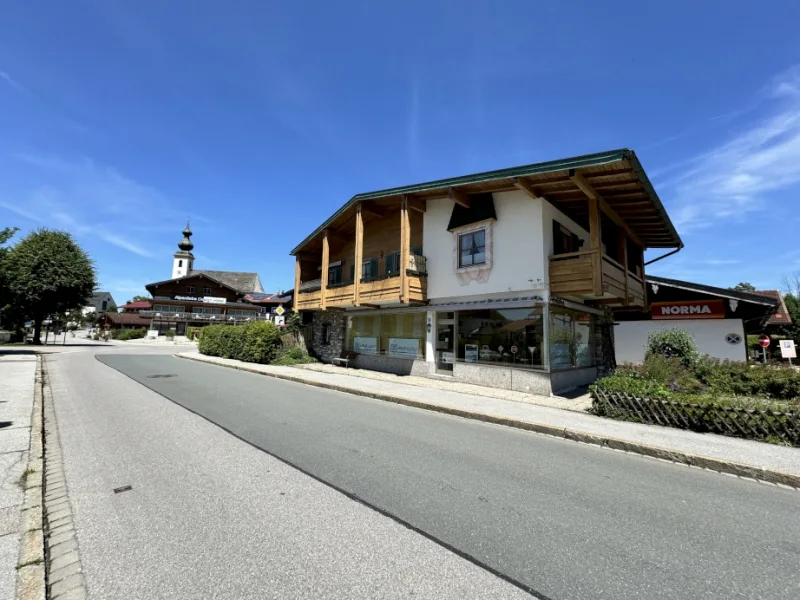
(161, 375)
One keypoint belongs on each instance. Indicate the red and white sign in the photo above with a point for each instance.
(690, 309)
(514, 349)
(764, 340)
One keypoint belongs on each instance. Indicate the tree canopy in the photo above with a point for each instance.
(744, 287)
(48, 273)
(141, 299)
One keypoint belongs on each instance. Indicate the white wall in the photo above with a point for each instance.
(630, 337)
(517, 248)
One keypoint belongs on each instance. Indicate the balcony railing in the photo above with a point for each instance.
(588, 273)
(189, 316)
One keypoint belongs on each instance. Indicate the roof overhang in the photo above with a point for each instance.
(616, 176)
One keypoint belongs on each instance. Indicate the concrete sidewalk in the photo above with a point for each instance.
(746, 458)
(17, 384)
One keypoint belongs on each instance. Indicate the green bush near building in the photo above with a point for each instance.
(257, 342)
(295, 356)
(128, 334)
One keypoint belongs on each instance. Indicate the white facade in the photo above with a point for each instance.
(519, 245)
(711, 335)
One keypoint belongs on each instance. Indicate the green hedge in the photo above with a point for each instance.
(295, 356)
(128, 334)
(257, 342)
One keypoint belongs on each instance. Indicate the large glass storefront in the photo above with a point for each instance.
(511, 337)
(401, 335)
(547, 337)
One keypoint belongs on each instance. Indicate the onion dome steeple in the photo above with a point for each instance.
(186, 243)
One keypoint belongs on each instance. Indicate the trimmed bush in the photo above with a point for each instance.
(672, 343)
(128, 334)
(295, 356)
(257, 342)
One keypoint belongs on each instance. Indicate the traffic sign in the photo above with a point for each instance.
(788, 349)
(764, 340)
(514, 349)
(279, 311)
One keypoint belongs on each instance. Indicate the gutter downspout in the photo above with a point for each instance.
(670, 253)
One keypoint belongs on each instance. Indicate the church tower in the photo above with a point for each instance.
(184, 259)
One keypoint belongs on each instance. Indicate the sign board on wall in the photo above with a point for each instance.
(403, 347)
(214, 300)
(365, 345)
(787, 349)
(689, 309)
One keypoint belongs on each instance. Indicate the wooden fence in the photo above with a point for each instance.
(755, 424)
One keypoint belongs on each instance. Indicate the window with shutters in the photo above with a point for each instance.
(335, 275)
(369, 269)
(392, 264)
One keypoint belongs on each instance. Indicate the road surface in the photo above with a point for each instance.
(492, 511)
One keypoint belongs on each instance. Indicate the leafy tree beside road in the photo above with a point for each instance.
(744, 287)
(47, 273)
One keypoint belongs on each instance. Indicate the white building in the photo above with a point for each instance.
(98, 303)
(499, 278)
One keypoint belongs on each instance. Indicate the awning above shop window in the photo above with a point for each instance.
(481, 209)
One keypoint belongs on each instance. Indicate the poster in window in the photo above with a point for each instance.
(403, 347)
(365, 345)
(471, 352)
(559, 356)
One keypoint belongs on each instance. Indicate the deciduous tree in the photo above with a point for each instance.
(48, 273)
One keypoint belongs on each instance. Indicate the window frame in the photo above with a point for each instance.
(190, 289)
(472, 249)
(206, 291)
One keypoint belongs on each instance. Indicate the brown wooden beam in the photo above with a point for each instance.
(359, 255)
(591, 193)
(595, 243)
(296, 282)
(325, 267)
(309, 256)
(459, 197)
(405, 248)
(417, 204)
(526, 187)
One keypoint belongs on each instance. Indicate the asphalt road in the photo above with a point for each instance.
(561, 519)
(209, 516)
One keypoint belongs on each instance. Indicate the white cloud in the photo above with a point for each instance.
(91, 199)
(733, 179)
(13, 83)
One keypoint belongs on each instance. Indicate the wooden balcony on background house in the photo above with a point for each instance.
(589, 274)
(373, 291)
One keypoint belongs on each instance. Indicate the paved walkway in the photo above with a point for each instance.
(637, 437)
(17, 380)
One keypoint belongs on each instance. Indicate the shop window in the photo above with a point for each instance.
(472, 248)
(514, 336)
(571, 339)
(401, 335)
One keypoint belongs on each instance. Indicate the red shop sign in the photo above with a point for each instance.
(691, 309)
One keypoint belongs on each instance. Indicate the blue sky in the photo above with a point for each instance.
(120, 118)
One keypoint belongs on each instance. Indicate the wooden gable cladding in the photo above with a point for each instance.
(181, 288)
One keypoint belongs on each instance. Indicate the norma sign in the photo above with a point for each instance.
(764, 340)
(691, 309)
(787, 349)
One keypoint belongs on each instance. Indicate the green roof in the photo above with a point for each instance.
(577, 162)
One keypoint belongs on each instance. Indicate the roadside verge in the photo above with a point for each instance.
(679, 452)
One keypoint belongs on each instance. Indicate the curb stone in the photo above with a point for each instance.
(62, 562)
(30, 569)
(676, 456)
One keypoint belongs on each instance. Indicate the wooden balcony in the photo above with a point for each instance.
(588, 274)
(372, 292)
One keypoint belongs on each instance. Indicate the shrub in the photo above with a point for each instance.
(193, 333)
(295, 356)
(254, 342)
(128, 334)
(170, 334)
(673, 343)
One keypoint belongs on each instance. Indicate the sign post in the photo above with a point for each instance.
(764, 340)
(788, 350)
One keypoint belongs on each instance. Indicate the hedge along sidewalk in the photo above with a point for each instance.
(765, 462)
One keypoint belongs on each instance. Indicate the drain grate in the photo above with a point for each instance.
(161, 375)
(124, 488)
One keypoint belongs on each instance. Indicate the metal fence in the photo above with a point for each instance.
(755, 424)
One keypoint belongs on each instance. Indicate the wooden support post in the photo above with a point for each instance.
(297, 269)
(644, 281)
(623, 254)
(325, 267)
(405, 249)
(596, 246)
(359, 257)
